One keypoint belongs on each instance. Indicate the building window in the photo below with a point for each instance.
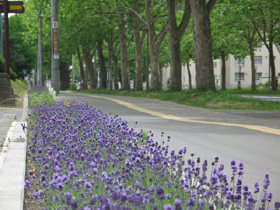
(236, 76)
(258, 76)
(215, 65)
(239, 61)
(258, 60)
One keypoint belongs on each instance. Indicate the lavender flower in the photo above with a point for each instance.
(168, 207)
(160, 193)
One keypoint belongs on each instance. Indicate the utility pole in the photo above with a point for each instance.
(6, 29)
(55, 46)
(1, 36)
(40, 50)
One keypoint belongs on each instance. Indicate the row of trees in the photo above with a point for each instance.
(128, 39)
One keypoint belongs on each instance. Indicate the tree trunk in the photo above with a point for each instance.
(102, 67)
(223, 57)
(252, 57)
(138, 47)
(147, 65)
(174, 46)
(190, 76)
(116, 72)
(154, 48)
(110, 55)
(89, 66)
(86, 78)
(81, 69)
(272, 65)
(115, 63)
(175, 37)
(64, 75)
(202, 45)
(124, 56)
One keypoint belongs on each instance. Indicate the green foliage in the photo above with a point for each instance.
(22, 53)
(2, 63)
(229, 30)
(40, 97)
(73, 86)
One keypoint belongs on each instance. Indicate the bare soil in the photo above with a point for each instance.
(29, 202)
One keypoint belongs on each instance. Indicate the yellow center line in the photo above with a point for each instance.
(171, 117)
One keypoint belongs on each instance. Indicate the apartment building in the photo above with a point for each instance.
(235, 70)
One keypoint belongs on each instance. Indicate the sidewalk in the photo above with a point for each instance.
(12, 160)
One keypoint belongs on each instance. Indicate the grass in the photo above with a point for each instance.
(39, 96)
(19, 87)
(219, 99)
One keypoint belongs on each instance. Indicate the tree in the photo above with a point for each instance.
(102, 67)
(88, 55)
(22, 53)
(264, 15)
(124, 54)
(228, 31)
(64, 74)
(203, 43)
(138, 40)
(82, 76)
(175, 37)
(187, 52)
(154, 43)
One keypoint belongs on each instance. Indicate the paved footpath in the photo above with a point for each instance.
(12, 157)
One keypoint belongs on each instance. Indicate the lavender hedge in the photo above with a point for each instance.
(85, 159)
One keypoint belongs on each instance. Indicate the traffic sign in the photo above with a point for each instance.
(13, 7)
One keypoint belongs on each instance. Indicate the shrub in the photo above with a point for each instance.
(73, 86)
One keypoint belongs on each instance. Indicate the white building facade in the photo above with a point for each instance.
(235, 70)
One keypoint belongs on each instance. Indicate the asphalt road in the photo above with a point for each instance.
(250, 136)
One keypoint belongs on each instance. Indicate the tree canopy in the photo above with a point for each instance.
(140, 37)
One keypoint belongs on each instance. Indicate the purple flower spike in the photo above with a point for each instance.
(241, 165)
(87, 185)
(191, 201)
(160, 193)
(216, 159)
(74, 204)
(233, 163)
(178, 204)
(168, 207)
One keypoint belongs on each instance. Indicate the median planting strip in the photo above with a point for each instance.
(84, 159)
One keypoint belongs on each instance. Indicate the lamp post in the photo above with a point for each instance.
(40, 54)
(55, 46)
